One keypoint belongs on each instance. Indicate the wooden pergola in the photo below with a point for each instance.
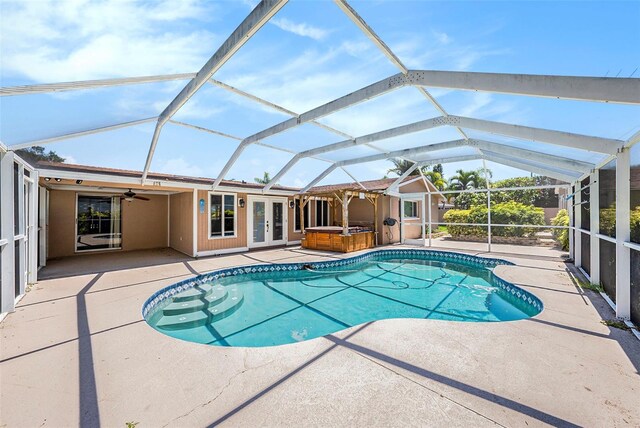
(344, 197)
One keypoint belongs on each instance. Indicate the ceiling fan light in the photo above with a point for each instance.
(129, 199)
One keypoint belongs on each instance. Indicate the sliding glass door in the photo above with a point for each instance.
(98, 223)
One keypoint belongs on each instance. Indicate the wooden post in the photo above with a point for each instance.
(375, 218)
(302, 214)
(345, 214)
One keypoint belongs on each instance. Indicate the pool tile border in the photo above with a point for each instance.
(153, 303)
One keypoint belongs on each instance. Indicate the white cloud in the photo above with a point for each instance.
(442, 37)
(69, 159)
(49, 41)
(300, 29)
(312, 77)
(485, 105)
(440, 51)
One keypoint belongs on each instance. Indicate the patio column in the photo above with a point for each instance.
(401, 220)
(488, 220)
(594, 221)
(7, 248)
(424, 222)
(429, 204)
(572, 224)
(577, 206)
(623, 234)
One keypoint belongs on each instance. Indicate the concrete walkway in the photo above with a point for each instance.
(77, 352)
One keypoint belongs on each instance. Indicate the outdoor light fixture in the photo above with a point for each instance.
(47, 179)
(292, 204)
(58, 180)
(78, 181)
(241, 202)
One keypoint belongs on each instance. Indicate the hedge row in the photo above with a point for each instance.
(503, 213)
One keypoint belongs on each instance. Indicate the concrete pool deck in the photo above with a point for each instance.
(77, 352)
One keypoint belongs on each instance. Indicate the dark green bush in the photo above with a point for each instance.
(503, 213)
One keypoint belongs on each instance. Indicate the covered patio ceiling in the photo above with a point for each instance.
(535, 158)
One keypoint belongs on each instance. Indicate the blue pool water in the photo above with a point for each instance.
(280, 304)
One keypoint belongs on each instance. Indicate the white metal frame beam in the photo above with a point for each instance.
(398, 153)
(89, 84)
(582, 142)
(520, 164)
(394, 186)
(368, 31)
(602, 89)
(258, 17)
(558, 138)
(232, 137)
(551, 160)
(434, 161)
(376, 136)
(77, 134)
(274, 106)
(623, 234)
(366, 93)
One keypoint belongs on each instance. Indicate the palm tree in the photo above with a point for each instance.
(464, 180)
(436, 179)
(264, 180)
(400, 166)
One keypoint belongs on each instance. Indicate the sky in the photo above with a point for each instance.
(307, 55)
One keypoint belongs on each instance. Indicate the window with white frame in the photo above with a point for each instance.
(307, 215)
(222, 215)
(410, 209)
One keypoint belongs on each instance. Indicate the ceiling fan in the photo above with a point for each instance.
(130, 196)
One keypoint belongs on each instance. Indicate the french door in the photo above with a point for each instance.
(266, 221)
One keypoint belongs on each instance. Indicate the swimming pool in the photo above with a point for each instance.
(266, 305)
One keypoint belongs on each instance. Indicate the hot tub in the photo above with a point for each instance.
(330, 238)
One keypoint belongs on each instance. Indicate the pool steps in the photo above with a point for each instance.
(199, 306)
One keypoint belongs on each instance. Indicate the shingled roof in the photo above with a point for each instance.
(153, 176)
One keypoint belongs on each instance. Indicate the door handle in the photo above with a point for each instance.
(267, 226)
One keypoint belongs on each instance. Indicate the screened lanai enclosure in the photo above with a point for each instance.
(304, 123)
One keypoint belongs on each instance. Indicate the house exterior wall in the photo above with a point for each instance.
(144, 223)
(293, 235)
(205, 243)
(181, 222)
(388, 208)
(62, 223)
(417, 186)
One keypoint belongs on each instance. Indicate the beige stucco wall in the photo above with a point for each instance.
(144, 223)
(181, 222)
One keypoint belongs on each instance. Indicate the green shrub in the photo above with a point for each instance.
(562, 235)
(503, 213)
(608, 222)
